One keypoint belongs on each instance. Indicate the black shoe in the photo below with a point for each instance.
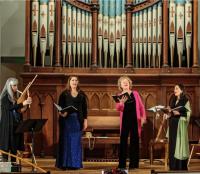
(121, 167)
(72, 168)
(63, 168)
(133, 167)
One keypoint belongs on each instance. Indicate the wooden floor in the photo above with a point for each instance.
(97, 167)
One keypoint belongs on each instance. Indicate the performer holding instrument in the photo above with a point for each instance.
(13, 103)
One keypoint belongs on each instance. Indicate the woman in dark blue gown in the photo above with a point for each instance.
(69, 154)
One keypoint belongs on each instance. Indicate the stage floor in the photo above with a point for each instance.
(48, 164)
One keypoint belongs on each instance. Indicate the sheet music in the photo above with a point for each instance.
(58, 107)
(176, 108)
(69, 109)
(156, 108)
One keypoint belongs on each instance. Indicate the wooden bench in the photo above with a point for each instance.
(93, 142)
(105, 135)
(101, 140)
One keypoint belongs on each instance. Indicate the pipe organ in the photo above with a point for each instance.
(76, 36)
(76, 33)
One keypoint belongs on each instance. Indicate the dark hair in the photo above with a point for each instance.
(182, 96)
(181, 86)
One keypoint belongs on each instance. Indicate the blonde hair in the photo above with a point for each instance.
(122, 78)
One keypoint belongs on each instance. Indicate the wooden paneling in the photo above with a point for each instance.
(155, 88)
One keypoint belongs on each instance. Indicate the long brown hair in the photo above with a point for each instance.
(68, 88)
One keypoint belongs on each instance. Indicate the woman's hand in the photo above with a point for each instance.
(143, 121)
(28, 101)
(64, 114)
(85, 124)
(176, 112)
(123, 99)
(169, 109)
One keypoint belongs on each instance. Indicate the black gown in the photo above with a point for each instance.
(10, 119)
(129, 126)
(176, 164)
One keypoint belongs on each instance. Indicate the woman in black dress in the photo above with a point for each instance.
(178, 135)
(10, 118)
(132, 118)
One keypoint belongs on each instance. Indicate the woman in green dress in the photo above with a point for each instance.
(178, 129)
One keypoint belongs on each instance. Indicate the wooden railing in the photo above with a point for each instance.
(23, 160)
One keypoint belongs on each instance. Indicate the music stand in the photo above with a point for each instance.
(31, 125)
(155, 110)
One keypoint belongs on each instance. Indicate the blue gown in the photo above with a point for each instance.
(70, 148)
